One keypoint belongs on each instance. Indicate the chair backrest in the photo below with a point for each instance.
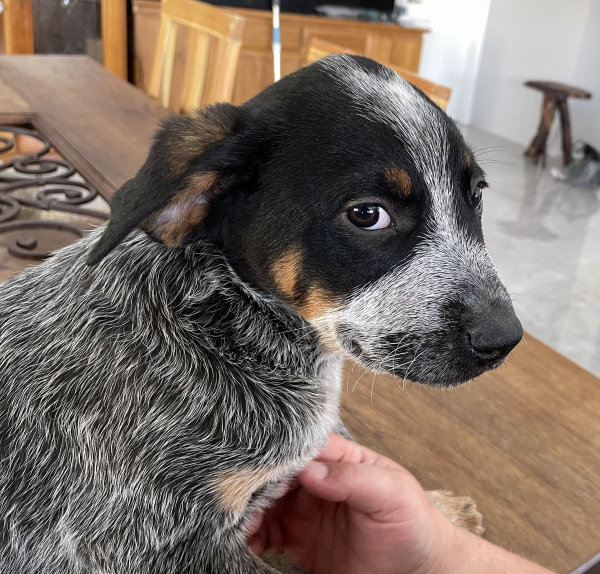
(211, 57)
(318, 48)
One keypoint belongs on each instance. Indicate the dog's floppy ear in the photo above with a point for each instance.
(170, 195)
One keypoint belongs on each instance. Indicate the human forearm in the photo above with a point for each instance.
(469, 554)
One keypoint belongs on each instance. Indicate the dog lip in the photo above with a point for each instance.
(490, 361)
(497, 363)
(353, 347)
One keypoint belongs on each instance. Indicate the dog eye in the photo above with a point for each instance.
(369, 217)
(476, 196)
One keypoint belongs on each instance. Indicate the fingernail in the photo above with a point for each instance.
(318, 470)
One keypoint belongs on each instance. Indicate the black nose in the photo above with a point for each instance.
(494, 334)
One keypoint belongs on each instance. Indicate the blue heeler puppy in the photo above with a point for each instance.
(160, 377)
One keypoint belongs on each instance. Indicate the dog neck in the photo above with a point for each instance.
(177, 326)
(196, 300)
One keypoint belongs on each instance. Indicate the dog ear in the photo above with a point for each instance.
(185, 169)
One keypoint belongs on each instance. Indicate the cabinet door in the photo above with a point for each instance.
(255, 72)
(406, 51)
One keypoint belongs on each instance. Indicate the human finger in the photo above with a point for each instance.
(341, 449)
(374, 490)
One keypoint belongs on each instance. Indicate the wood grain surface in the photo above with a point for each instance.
(114, 36)
(108, 121)
(386, 43)
(214, 39)
(17, 26)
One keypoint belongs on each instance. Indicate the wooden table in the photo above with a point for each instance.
(107, 121)
(524, 440)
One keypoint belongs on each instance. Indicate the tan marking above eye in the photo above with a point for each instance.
(185, 212)
(235, 489)
(285, 272)
(400, 179)
(469, 163)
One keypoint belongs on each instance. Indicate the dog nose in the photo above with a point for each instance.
(494, 335)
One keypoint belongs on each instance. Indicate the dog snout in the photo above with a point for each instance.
(494, 334)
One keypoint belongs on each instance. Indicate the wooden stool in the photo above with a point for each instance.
(555, 96)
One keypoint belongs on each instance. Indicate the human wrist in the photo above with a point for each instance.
(444, 545)
(466, 553)
(457, 552)
(448, 549)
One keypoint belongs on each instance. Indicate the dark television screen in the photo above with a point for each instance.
(381, 5)
(307, 6)
(300, 6)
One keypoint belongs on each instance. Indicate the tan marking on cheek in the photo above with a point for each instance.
(400, 179)
(235, 489)
(312, 305)
(285, 272)
(316, 303)
(185, 212)
(314, 310)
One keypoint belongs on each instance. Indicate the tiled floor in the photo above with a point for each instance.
(544, 237)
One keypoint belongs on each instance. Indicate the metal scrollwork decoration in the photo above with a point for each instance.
(58, 191)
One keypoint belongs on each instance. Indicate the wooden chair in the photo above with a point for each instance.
(439, 94)
(211, 57)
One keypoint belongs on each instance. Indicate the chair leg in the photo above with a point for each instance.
(565, 122)
(538, 145)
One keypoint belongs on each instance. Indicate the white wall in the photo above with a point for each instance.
(451, 51)
(585, 115)
(543, 40)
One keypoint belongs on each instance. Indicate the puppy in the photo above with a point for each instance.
(161, 376)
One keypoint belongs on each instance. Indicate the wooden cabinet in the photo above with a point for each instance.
(386, 43)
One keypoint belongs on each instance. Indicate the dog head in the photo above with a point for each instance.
(345, 192)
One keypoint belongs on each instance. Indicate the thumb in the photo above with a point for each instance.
(380, 492)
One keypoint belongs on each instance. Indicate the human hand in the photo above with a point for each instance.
(354, 511)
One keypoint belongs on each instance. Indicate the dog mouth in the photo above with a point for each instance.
(441, 358)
